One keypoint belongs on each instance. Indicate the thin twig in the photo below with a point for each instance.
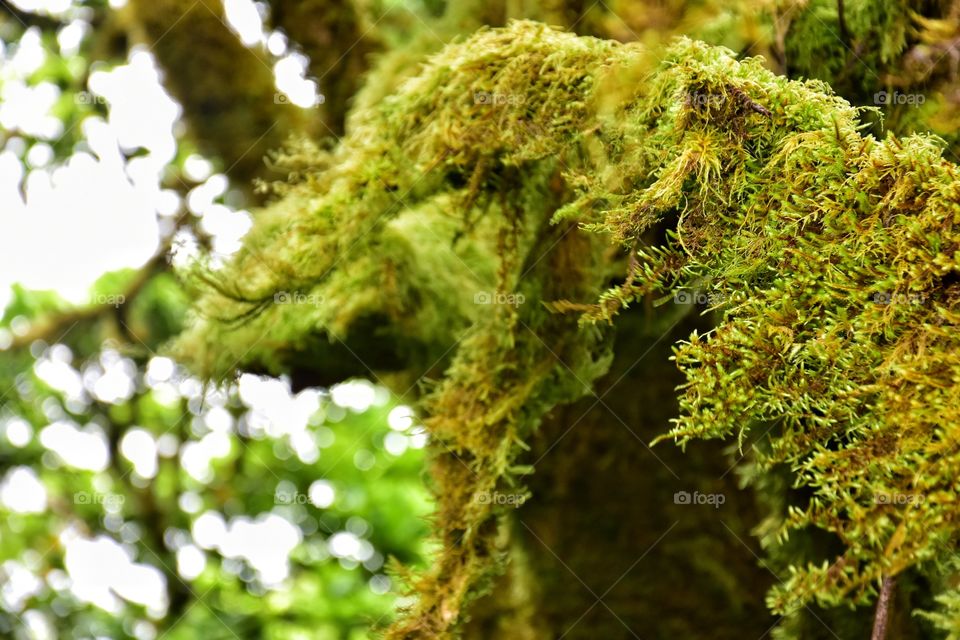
(883, 609)
(53, 326)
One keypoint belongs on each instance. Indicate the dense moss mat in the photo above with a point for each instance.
(489, 223)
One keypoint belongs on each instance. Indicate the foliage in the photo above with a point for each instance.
(260, 467)
(90, 397)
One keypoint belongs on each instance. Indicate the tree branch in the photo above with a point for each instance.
(338, 41)
(227, 91)
(53, 327)
(28, 19)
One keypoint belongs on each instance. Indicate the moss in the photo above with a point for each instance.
(850, 44)
(527, 166)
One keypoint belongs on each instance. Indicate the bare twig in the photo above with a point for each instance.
(883, 609)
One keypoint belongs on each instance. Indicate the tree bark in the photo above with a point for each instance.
(608, 547)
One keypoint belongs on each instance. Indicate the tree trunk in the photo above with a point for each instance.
(602, 549)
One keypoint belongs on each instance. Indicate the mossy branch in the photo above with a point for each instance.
(834, 257)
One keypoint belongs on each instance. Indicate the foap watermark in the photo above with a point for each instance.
(514, 500)
(688, 498)
(885, 297)
(108, 500)
(498, 99)
(888, 99)
(282, 98)
(899, 499)
(701, 100)
(709, 298)
(85, 97)
(297, 297)
(290, 498)
(113, 299)
(497, 297)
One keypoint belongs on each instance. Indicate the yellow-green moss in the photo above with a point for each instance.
(704, 172)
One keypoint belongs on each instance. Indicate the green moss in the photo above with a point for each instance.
(833, 256)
